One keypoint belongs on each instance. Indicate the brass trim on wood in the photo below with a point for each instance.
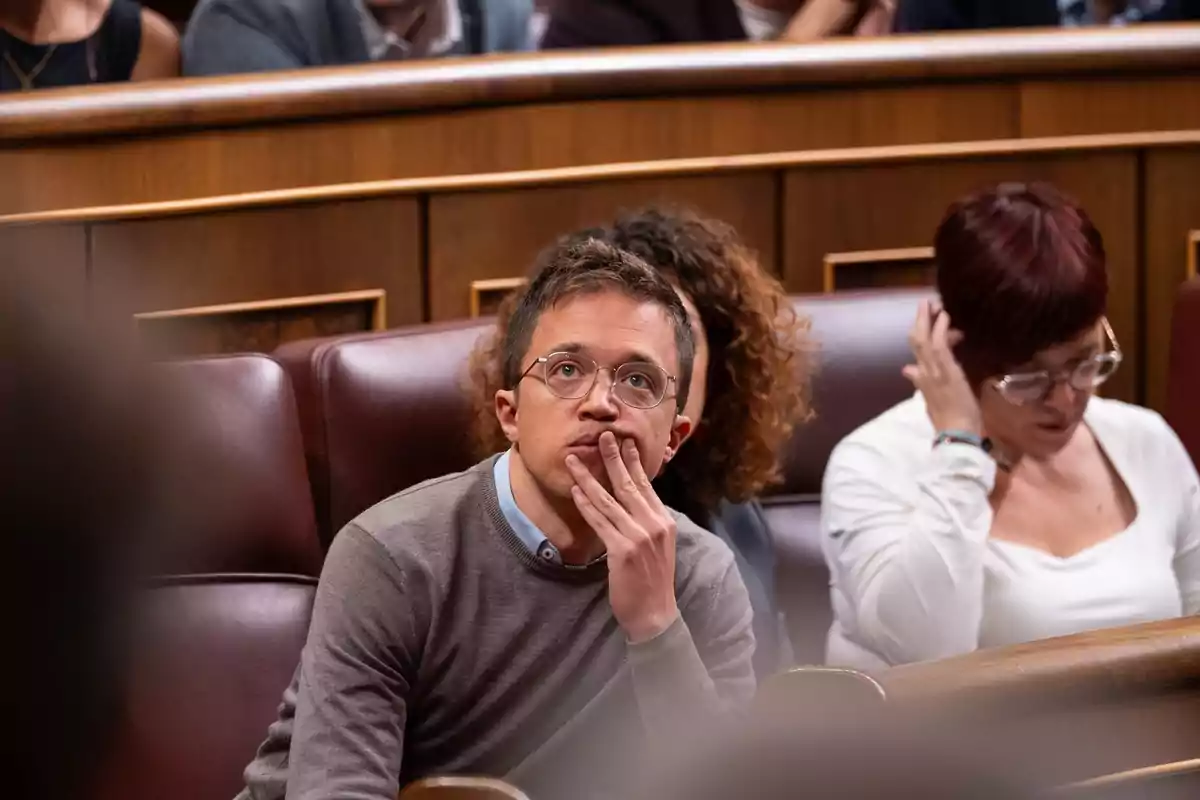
(663, 168)
(378, 298)
(481, 287)
(1193, 254)
(899, 254)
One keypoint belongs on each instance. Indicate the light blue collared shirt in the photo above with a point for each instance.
(522, 525)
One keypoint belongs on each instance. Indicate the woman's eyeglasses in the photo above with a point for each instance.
(570, 376)
(1024, 388)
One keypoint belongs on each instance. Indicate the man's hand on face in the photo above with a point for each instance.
(639, 534)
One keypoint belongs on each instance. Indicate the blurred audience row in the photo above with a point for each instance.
(47, 43)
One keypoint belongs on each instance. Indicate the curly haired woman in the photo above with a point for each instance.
(748, 390)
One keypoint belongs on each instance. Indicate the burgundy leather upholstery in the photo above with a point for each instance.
(382, 412)
(863, 344)
(243, 496)
(1183, 374)
(211, 662)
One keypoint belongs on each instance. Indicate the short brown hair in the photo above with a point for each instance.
(760, 362)
(1020, 268)
(586, 267)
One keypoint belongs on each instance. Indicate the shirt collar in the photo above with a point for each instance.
(444, 32)
(762, 24)
(522, 526)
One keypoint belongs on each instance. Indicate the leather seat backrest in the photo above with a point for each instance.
(862, 344)
(382, 412)
(241, 494)
(1183, 375)
(212, 657)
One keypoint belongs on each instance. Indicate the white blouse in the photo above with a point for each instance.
(915, 576)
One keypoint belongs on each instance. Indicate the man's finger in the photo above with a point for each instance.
(599, 497)
(614, 542)
(633, 463)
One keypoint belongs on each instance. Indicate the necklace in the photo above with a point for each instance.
(26, 79)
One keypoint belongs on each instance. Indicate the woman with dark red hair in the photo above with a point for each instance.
(1004, 502)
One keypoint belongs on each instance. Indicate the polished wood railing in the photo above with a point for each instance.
(1074, 708)
(189, 139)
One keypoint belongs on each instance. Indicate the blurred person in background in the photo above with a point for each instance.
(227, 37)
(598, 23)
(749, 388)
(945, 15)
(1005, 502)
(49, 43)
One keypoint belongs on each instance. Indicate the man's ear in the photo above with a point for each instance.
(679, 434)
(506, 413)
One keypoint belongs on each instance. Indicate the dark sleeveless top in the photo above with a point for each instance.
(106, 56)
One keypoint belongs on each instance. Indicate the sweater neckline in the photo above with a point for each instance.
(590, 573)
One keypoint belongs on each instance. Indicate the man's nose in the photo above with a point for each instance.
(600, 402)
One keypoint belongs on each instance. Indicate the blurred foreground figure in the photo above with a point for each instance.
(791, 756)
(74, 482)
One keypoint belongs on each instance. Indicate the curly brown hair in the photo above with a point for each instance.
(759, 364)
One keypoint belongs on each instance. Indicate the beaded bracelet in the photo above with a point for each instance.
(964, 437)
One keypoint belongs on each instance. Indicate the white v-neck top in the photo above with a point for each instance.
(915, 576)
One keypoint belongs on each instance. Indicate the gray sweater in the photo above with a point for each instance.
(440, 645)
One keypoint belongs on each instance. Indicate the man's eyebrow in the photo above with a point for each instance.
(627, 357)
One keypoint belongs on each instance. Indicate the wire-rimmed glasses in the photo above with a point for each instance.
(570, 376)
(1024, 388)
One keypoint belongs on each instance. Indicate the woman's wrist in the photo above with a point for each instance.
(963, 436)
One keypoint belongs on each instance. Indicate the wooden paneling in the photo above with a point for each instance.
(199, 138)
(1065, 107)
(55, 256)
(1193, 268)
(982, 57)
(79, 174)
(260, 326)
(1172, 213)
(839, 209)
(264, 254)
(487, 295)
(873, 269)
(497, 234)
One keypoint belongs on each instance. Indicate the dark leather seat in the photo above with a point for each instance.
(211, 660)
(382, 412)
(863, 344)
(242, 501)
(1183, 373)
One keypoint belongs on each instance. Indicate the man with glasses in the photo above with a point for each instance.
(542, 616)
(1006, 502)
